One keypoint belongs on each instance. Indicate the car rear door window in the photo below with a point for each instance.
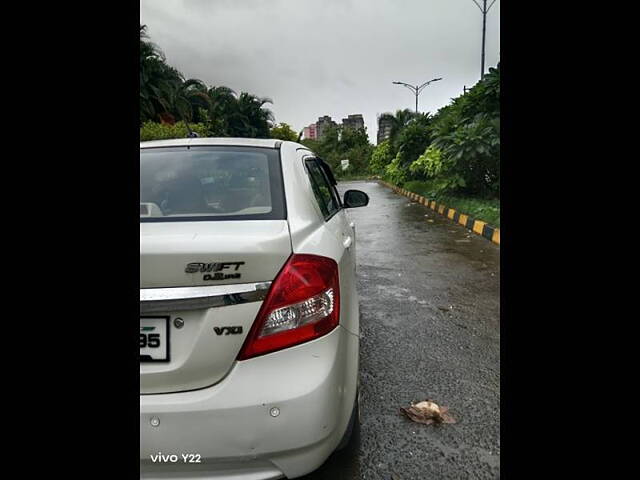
(322, 189)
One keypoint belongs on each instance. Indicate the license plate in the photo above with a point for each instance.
(154, 339)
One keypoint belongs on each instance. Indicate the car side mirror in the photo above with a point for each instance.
(355, 198)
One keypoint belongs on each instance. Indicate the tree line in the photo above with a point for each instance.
(168, 100)
(343, 143)
(455, 151)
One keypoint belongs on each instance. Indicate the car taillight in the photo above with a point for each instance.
(302, 304)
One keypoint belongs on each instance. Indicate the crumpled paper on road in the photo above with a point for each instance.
(427, 412)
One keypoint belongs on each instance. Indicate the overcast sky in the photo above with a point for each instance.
(327, 57)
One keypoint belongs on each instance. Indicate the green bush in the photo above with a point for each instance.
(429, 164)
(440, 169)
(413, 139)
(395, 173)
(470, 160)
(283, 131)
(162, 131)
(380, 158)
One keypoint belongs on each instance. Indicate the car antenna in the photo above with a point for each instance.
(191, 133)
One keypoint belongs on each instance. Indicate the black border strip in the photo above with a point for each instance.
(487, 231)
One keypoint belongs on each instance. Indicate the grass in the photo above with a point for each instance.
(487, 210)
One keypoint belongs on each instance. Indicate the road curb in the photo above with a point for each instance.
(476, 226)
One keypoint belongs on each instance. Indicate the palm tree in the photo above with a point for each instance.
(401, 119)
(150, 56)
(249, 118)
(222, 103)
(195, 93)
(222, 100)
(159, 83)
(147, 49)
(164, 93)
(166, 96)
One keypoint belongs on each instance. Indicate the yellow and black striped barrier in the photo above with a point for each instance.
(477, 226)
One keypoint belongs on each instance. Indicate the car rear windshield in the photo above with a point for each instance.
(210, 183)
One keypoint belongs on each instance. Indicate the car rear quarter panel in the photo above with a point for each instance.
(311, 234)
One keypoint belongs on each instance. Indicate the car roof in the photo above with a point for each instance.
(242, 142)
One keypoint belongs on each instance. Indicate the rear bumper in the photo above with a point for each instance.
(229, 425)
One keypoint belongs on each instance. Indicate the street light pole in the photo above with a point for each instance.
(417, 89)
(484, 9)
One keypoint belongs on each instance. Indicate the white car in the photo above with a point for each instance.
(249, 318)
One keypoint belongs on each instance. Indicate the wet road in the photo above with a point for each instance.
(430, 326)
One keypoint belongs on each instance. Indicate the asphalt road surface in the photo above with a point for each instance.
(430, 325)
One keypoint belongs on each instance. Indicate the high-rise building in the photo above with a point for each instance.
(317, 130)
(384, 129)
(322, 124)
(353, 121)
(310, 132)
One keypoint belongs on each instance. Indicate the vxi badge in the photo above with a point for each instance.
(214, 270)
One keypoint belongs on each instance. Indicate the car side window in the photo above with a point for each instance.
(326, 170)
(322, 189)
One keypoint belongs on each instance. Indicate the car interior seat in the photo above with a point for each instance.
(186, 195)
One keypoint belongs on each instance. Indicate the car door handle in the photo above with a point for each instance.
(347, 241)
